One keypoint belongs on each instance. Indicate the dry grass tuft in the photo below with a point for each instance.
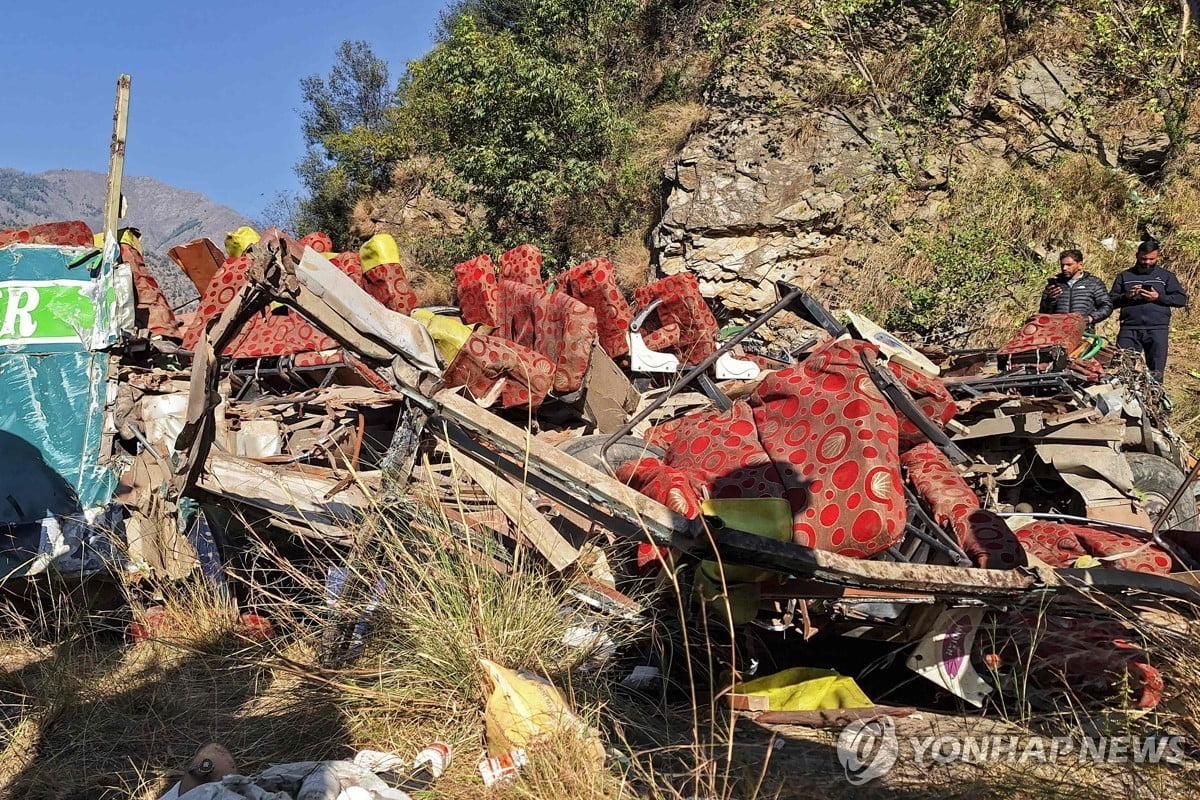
(395, 664)
(631, 262)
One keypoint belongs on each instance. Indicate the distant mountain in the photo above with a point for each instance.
(166, 215)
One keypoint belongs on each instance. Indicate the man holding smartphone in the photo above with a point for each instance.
(1146, 294)
(1073, 291)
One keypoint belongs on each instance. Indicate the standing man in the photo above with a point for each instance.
(1146, 294)
(1073, 291)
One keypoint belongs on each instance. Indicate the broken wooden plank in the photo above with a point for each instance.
(528, 521)
(403, 335)
(590, 486)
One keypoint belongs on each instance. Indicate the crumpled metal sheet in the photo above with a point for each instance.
(401, 333)
(54, 488)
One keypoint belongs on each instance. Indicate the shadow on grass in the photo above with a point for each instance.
(121, 722)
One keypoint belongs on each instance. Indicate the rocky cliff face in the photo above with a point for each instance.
(770, 189)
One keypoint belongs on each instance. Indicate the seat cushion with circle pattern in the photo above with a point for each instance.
(682, 305)
(350, 263)
(819, 434)
(63, 234)
(834, 440)
(270, 332)
(1042, 331)
(1060, 543)
(516, 312)
(389, 284)
(317, 241)
(983, 536)
(484, 361)
(594, 283)
(931, 397)
(219, 293)
(478, 291)
(522, 264)
(721, 449)
(278, 332)
(564, 330)
(675, 488)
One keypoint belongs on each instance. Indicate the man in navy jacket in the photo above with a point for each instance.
(1145, 296)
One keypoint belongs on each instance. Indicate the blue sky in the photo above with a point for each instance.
(216, 84)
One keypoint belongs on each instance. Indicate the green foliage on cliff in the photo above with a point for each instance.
(536, 111)
(531, 106)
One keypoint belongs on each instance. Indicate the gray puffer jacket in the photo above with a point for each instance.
(1088, 297)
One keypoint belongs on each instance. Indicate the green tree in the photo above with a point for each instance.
(350, 138)
(521, 132)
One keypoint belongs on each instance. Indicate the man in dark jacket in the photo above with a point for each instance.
(1073, 291)
(1146, 294)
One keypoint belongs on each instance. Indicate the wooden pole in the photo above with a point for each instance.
(116, 158)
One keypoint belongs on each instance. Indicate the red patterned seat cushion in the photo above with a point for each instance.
(721, 449)
(932, 398)
(485, 361)
(819, 434)
(388, 284)
(266, 334)
(219, 293)
(985, 538)
(317, 241)
(662, 339)
(348, 262)
(522, 264)
(281, 332)
(595, 284)
(478, 291)
(834, 440)
(1089, 659)
(152, 311)
(674, 488)
(683, 305)
(63, 234)
(1059, 544)
(1047, 330)
(564, 331)
(517, 312)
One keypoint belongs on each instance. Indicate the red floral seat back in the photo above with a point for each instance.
(63, 234)
(1042, 331)
(594, 283)
(684, 306)
(478, 291)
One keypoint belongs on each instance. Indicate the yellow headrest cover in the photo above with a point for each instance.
(237, 241)
(134, 240)
(449, 333)
(379, 249)
(127, 237)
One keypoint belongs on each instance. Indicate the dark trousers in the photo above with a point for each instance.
(1150, 341)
